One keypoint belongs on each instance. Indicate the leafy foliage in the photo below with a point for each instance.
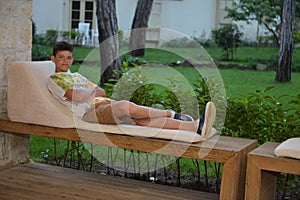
(134, 86)
(263, 117)
(182, 42)
(265, 12)
(297, 37)
(40, 52)
(176, 94)
(268, 13)
(228, 37)
(51, 37)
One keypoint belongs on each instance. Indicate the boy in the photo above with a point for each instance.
(89, 101)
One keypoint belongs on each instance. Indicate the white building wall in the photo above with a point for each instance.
(191, 17)
(125, 13)
(186, 16)
(52, 14)
(250, 30)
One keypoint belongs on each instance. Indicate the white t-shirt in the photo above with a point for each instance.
(59, 83)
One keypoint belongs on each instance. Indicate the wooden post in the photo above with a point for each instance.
(15, 44)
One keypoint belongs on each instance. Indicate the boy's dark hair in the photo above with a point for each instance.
(62, 46)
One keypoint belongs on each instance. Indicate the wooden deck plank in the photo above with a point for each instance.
(39, 181)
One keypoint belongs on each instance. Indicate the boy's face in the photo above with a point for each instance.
(63, 61)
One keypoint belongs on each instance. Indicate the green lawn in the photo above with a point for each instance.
(243, 82)
(243, 55)
(237, 82)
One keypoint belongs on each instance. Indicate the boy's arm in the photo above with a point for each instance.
(85, 94)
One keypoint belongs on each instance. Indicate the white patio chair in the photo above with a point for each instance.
(84, 30)
(95, 37)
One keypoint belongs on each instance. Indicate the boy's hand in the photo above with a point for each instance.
(81, 95)
(99, 92)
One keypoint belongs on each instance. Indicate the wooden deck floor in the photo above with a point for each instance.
(39, 181)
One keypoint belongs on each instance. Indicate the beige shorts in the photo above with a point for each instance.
(102, 113)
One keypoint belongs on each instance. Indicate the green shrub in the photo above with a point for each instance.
(228, 38)
(297, 37)
(33, 30)
(133, 86)
(66, 35)
(267, 41)
(51, 37)
(176, 94)
(40, 52)
(270, 62)
(130, 60)
(263, 117)
(205, 42)
(121, 35)
(182, 42)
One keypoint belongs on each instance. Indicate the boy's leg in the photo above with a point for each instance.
(123, 107)
(169, 123)
(202, 126)
(100, 113)
(119, 113)
(144, 112)
(115, 112)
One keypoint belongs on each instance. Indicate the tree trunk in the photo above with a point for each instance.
(139, 27)
(284, 72)
(108, 39)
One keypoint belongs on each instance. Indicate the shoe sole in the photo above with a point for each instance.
(210, 116)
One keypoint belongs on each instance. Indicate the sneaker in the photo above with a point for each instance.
(182, 117)
(207, 119)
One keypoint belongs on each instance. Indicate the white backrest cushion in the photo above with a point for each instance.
(29, 99)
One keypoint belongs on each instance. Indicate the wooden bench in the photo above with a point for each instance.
(232, 152)
(262, 169)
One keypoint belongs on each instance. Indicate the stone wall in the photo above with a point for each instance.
(15, 45)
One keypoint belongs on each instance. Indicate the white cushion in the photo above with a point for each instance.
(289, 148)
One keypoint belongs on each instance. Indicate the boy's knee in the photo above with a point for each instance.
(123, 106)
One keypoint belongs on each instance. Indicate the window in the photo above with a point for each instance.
(89, 12)
(82, 11)
(75, 14)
